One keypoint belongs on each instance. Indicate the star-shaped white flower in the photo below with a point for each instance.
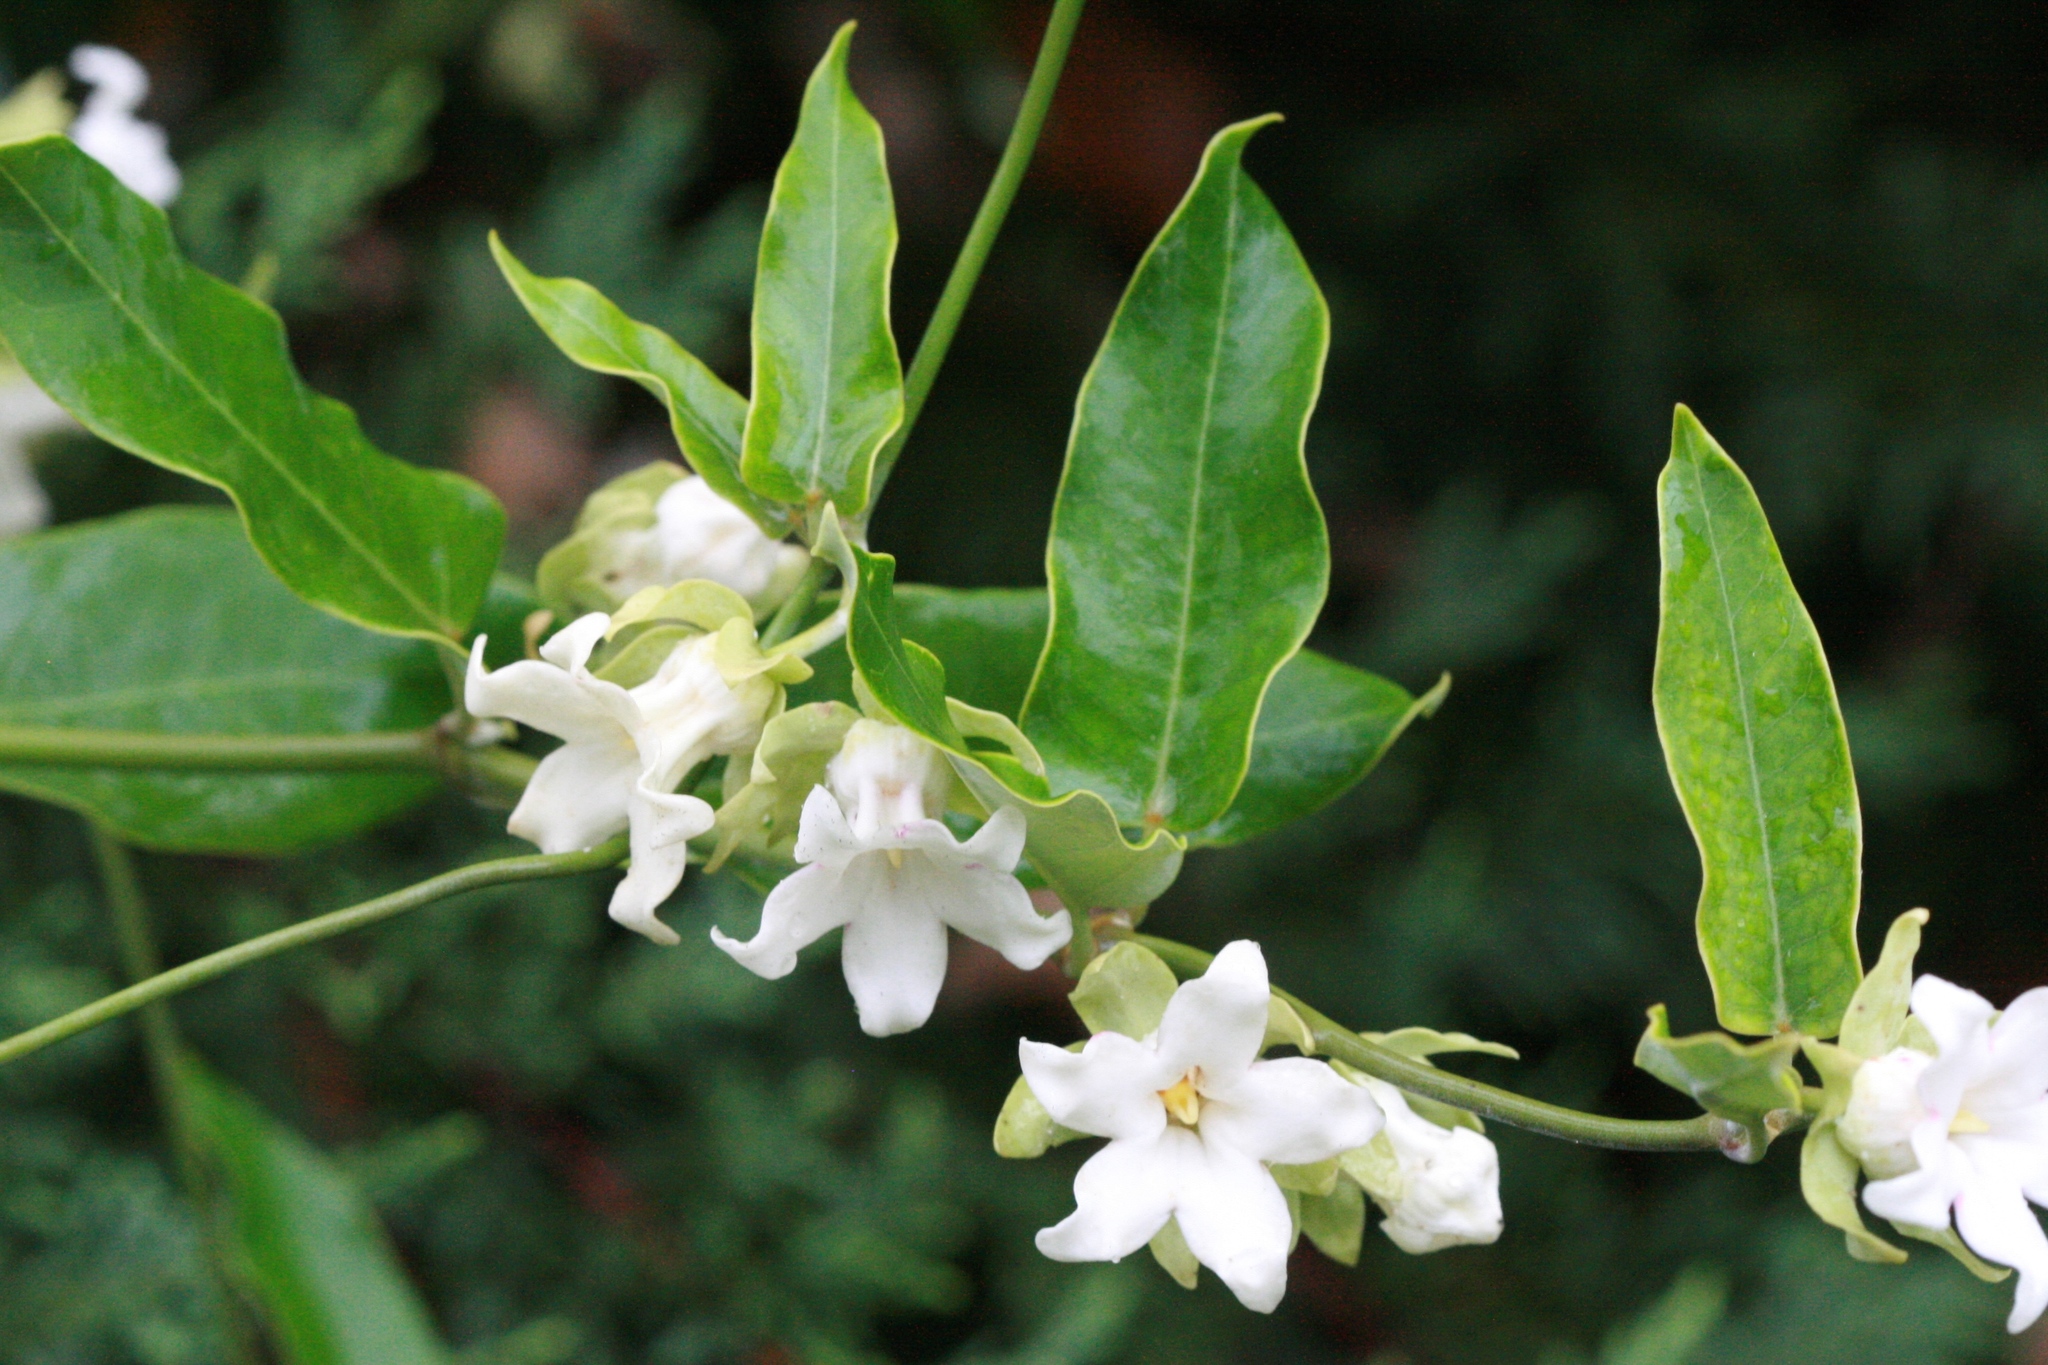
(1975, 1118)
(1193, 1116)
(697, 534)
(896, 879)
(624, 751)
(1445, 1189)
(108, 131)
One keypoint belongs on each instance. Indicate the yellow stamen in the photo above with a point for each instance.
(1967, 1122)
(895, 857)
(1183, 1104)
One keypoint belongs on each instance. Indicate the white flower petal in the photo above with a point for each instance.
(1218, 1021)
(539, 695)
(663, 824)
(1921, 1197)
(107, 130)
(894, 953)
(822, 835)
(2015, 1073)
(1950, 1012)
(1292, 1110)
(986, 905)
(1236, 1222)
(1109, 1088)
(804, 906)
(1000, 841)
(1123, 1195)
(577, 798)
(1993, 1217)
(570, 647)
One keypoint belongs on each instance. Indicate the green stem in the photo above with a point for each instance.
(981, 235)
(1420, 1078)
(791, 615)
(60, 746)
(163, 985)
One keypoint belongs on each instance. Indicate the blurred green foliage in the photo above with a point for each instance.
(1823, 226)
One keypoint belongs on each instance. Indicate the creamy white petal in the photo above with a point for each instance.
(894, 952)
(1291, 1110)
(1922, 1196)
(987, 904)
(540, 695)
(570, 647)
(1236, 1222)
(2015, 1069)
(1218, 1021)
(822, 835)
(804, 906)
(663, 824)
(577, 798)
(1109, 1088)
(1993, 1217)
(1951, 1013)
(1123, 1195)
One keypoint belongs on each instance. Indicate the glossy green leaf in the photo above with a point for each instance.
(1754, 741)
(828, 386)
(1876, 1018)
(1188, 557)
(1073, 840)
(165, 361)
(1751, 1084)
(310, 1248)
(162, 620)
(1124, 990)
(708, 418)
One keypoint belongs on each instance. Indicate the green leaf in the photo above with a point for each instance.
(1188, 557)
(1751, 1084)
(707, 417)
(1827, 1179)
(1125, 991)
(314, 1256)
(1754, 741)
(1424, 1043)
(165, 361)
(1876, 1017)
(162, 620)
(828, 386)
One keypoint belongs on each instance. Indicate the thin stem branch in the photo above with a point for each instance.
(1420, 1078)
(981, 235)
(791, 615)
(163, 985)
(61, 746)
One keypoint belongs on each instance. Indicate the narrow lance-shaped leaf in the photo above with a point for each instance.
(828, 385)
(1188, 557)
(1754, 741)
(165, 361)
(707, 417)
(162, 620)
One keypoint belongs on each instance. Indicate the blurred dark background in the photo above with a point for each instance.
(1823, 226)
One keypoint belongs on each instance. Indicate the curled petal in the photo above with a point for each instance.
(539, 695)
(570, 647)
(804, 906)
(999, 843)
(1236, 1222)
(894, 953)
(1109, 1088)
(578, 796)
(1123, 1195)
(988, 906)
(1218, 1022)
(822, 834)
(1993, 1217)
(1292, 1110)
(663, 824)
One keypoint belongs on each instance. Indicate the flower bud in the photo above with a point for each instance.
(1445, 1190)
(1884, 1107)
(886, 777)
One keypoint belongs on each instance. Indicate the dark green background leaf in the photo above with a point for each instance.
(164, 360)
(163, 620)
(1754, 741)
(1188, 557)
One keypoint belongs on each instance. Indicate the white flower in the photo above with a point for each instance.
(25, 413)
(1979, 1142)
(625, 750)
(108, 131)
(1445, 1191)
(1192, 1116)
(896, 878)
(697, 534)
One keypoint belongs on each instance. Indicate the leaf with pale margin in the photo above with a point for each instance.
(1753, 738)
(828, 384)
(1188, 557)
(169, 363)
(163, 621)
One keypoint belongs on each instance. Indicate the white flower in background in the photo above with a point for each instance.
(108, 131)
(25, 413)
(624, 751)
(1974, 1119)
(878, 863)
(1445, 1191)
(697, 534)
(1192, 1116)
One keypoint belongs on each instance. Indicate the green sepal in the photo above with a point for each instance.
(696, 602)
(1948, 1241)
(1024, 1129)
(707, 417)
(1375, 1168)
(1750, 1084)
(1827, 1180)
(1876, 1018)
(1124, 990)
(1286, 1027)
(1313, 1177)
(1170, 1248)
(1334, 1222)
(763, 813)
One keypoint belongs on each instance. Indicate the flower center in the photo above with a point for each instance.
(1967, 1122)
(1183, 1102)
